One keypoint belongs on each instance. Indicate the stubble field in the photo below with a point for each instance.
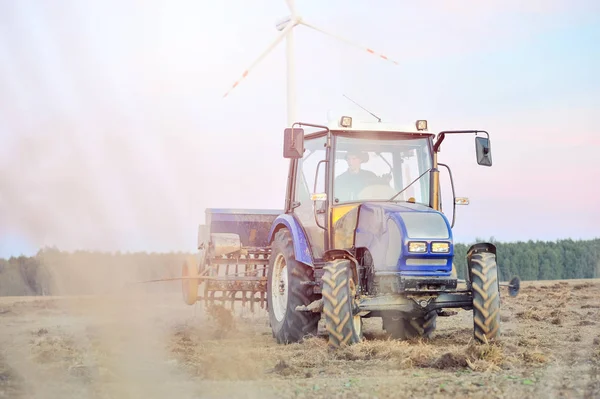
(133, 344)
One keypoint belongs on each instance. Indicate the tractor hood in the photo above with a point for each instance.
(387, 229)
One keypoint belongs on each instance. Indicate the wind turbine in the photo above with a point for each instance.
(286, 26)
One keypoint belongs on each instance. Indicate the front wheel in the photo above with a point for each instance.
(340, 306)
(486, 297)
(287, 288)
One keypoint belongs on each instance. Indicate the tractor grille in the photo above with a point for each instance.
(426, 267)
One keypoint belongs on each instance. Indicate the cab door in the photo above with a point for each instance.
(309, 205)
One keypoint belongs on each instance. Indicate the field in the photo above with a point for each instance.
(133, 344)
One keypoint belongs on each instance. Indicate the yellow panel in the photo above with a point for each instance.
(343, 230)
(339, 211)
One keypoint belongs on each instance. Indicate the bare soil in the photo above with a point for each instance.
(135, 345)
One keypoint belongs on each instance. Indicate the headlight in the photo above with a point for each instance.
(443, 247)
(417, 247)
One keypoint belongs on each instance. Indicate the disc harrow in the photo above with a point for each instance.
(238, 277)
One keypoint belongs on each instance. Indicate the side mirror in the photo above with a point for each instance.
(484, 151)
(293, 143)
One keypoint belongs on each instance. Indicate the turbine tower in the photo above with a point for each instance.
(286, 26)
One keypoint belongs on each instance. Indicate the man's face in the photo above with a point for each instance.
(353, 163)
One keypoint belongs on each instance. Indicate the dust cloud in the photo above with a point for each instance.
(109, 337)
(104, 167)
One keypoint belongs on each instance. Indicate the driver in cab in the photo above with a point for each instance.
(349, 184)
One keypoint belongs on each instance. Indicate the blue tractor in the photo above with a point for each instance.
(362, 234)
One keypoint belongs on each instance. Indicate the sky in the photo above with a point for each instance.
(115, 136)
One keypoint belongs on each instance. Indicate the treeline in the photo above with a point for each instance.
(54, 272)
(541, 260)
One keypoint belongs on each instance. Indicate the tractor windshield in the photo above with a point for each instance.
(375, 169)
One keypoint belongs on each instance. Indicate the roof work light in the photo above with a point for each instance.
(421, 124)
(346, 121)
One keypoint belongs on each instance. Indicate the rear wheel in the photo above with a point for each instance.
(342, 322)
(402, 327)
(287, 289)
(486, 297)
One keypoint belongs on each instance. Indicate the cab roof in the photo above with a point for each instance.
(374, 126)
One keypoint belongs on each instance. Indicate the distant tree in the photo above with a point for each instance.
(540, 260)
(52, 271)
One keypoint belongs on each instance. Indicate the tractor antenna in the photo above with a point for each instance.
(375, 116)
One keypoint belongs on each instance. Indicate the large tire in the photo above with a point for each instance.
(486, 297)
(343, 325)
(421, 326)
(287, 289)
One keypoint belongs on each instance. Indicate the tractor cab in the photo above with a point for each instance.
(345, 165)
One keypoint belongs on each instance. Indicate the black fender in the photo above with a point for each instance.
(481, 247)
(334, 254)
(478, 248)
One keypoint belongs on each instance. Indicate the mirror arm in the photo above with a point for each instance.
(453, 193)
(440, 138)
(442, 135)
(300, 124)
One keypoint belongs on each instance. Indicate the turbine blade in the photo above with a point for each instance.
(349, 42)
(284, 32)
(291, 6)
